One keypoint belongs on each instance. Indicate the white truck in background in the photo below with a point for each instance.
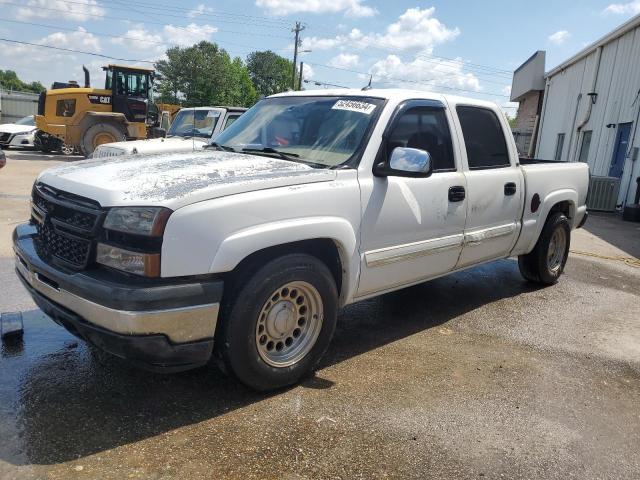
(245, 252)
(191, 129)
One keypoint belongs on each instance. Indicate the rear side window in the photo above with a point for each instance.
(230, 120)
(427, 129)
(484, 138)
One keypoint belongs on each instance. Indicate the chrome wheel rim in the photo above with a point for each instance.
(67, 149)
(557, 247)
(289, 324)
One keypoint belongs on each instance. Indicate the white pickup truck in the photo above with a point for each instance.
(191, 129)
(244, 253)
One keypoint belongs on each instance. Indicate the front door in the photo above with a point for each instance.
(412, 228)
(494, 188)
(130, 95)
(620, 150)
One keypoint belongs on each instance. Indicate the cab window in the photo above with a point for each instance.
(483, 138)
(425, 128)
(230, 120)
(131, 84)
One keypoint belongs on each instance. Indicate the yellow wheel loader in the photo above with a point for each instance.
(88, 117)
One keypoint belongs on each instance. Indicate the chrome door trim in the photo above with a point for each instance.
(408, 251)
(476, 237)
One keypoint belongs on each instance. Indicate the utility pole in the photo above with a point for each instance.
(300, 77)
(298, 28)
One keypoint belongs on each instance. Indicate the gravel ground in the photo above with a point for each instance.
(476, 375)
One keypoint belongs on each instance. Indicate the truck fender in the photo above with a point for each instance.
(238, 246)
(94, 117)
(553, 198)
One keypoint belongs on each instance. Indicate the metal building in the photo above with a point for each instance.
(591, 109)
(16, 105)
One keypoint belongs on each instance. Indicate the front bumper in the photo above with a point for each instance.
(13, 140)
(161, 325)
(24, 141)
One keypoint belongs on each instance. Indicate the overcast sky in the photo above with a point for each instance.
(465, 47)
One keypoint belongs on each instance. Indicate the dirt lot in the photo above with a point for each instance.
(477, 375)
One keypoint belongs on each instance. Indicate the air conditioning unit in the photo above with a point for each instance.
(603, 193)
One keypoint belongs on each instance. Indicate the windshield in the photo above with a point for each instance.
(326, 131)
(26, 121)
(193, 123)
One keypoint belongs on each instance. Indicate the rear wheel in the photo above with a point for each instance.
(546, 261)
(99, 134)
(276, 329)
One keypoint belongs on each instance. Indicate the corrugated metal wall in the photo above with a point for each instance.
(618, 101)
(16, 105)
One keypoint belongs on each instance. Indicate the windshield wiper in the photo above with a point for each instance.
(283, 155)
(292, 157)
(217, 146)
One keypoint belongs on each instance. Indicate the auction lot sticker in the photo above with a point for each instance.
(354, 106)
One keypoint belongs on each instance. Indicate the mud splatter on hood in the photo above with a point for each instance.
(177, 179)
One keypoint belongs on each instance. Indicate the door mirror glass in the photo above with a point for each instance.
(409, 162)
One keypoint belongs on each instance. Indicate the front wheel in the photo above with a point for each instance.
(276, 329)
(99, 134)
(545, 263)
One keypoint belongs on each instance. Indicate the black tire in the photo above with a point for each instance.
(534, 266)
(93, 134)
(237, 341)
(45, 147)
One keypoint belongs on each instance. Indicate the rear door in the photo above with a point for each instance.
(494, 186)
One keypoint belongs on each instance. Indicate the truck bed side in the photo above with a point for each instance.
(558, 186)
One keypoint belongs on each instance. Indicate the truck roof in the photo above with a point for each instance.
(231, 109)
(127, 67)
(397, 94)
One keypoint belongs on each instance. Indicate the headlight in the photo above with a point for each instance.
(146, 264)
(148, 221)
(24, 133)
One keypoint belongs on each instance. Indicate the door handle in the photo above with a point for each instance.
(456, 193)
(510, 188)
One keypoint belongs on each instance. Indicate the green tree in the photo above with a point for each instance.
(9, 80)
(269, 72)
(204, 74)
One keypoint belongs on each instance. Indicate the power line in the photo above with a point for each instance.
(277, 23)
(181, 27)
(99, 34)
(71, 50)
(476, 68)
(407, 80)
(126, 6)
(265, 21)
(369, 73)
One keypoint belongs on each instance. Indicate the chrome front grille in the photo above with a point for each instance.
(67, 226)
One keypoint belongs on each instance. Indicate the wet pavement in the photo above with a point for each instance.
(472, 375)
(475, 375)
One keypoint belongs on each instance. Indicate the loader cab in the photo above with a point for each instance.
(132, 91)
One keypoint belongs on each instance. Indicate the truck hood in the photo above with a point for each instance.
(154, 145)
(177, 179)
(15, 128)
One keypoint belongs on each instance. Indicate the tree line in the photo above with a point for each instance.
(9, 81)
(205, 74)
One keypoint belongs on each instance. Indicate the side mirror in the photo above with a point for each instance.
(406, 162)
